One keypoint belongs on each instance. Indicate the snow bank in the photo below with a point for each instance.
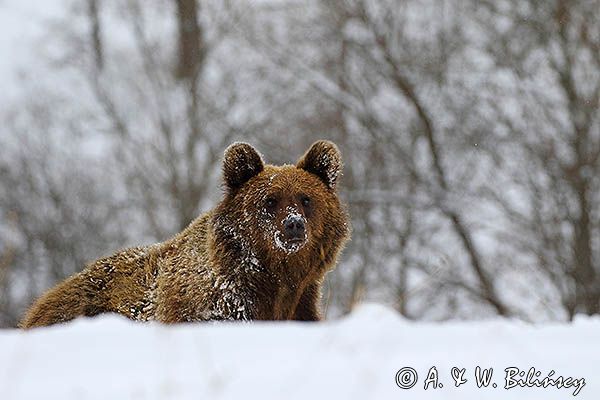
(357, 357)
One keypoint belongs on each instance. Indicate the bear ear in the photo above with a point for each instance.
(323, 159)
(240, 163)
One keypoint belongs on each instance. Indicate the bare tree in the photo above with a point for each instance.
(556, 44)
(56, 214)
(162, 144)
(376, 51)
(93, 9)
(470, 134)
(190, 39)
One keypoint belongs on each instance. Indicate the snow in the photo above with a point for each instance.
(356, 357)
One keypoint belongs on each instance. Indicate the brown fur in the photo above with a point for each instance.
(231, 263)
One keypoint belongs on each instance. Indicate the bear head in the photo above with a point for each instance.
(288, 212)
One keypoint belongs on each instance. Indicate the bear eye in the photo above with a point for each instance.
(305, 201)
(270, 203)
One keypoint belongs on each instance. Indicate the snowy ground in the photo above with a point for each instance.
(353, 358)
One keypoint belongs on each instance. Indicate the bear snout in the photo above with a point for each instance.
(294, 228)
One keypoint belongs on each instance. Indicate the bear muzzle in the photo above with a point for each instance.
(293, 234)
(294, 228)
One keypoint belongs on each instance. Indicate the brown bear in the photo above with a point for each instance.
(261, 254)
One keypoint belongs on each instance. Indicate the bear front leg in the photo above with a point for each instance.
(308, 307)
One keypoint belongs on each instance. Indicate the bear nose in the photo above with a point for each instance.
(294, 227)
